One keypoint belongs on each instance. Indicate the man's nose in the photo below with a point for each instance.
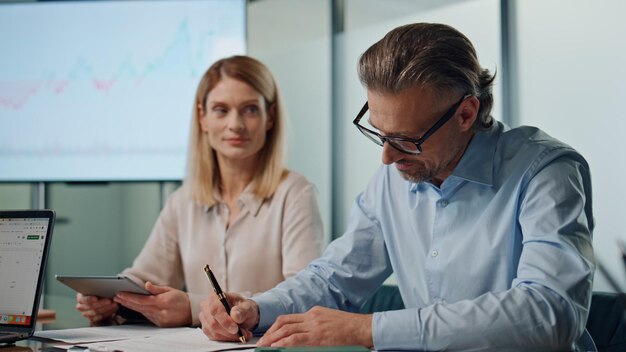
(390, 154)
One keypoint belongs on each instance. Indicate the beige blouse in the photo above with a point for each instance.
(269, 241)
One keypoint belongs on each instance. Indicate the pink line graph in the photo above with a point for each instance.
(177, 58)
(13, 95)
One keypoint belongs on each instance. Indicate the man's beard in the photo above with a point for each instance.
(425, 174)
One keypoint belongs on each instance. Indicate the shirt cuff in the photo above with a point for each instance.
(269, 309)
(397, 329)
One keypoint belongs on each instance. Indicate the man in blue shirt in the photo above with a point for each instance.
(487, 229)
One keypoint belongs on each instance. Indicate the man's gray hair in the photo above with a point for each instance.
(430, 55)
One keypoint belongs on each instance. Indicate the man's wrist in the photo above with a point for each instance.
(366, 335)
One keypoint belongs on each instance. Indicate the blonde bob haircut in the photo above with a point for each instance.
(203, 174)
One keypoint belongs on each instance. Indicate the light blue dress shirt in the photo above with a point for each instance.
(498, 257)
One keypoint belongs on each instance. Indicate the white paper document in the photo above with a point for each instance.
(106, 333)
(192, 340)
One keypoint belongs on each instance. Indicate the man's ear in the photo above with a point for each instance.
(271, 116)
(201, 118)
(469, 113)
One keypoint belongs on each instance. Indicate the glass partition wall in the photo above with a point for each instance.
(572, 84)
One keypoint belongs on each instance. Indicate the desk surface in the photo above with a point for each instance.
(23, 346)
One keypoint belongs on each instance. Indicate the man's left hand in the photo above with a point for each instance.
(320, 326)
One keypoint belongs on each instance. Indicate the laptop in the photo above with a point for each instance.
(24, 245)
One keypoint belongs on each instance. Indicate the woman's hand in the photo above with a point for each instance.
(97, 310)
(166, 307)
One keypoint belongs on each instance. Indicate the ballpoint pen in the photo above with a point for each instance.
(222, 297)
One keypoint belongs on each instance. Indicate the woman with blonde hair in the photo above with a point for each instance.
(239, 210)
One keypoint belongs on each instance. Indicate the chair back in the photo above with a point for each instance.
(607, 321)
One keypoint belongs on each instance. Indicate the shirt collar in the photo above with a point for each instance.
(476, 164)
(247, 200)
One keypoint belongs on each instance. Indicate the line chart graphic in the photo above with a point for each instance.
(95, 90)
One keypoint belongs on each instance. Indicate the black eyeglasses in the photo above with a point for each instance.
(405, 144)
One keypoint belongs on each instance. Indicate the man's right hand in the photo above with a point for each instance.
(218, 325)
(97, 310)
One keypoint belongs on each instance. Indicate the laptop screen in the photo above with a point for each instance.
(23, 250)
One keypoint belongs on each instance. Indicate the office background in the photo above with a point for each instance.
(560, 66)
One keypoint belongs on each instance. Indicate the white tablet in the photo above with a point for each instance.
(101, 286)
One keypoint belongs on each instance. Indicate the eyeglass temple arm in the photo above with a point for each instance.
(359, 116)
(436, 126)
(443, 120)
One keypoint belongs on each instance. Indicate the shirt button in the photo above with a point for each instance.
(444, 203)
(434, 253)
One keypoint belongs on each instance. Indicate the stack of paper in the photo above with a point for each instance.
(139, 338)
